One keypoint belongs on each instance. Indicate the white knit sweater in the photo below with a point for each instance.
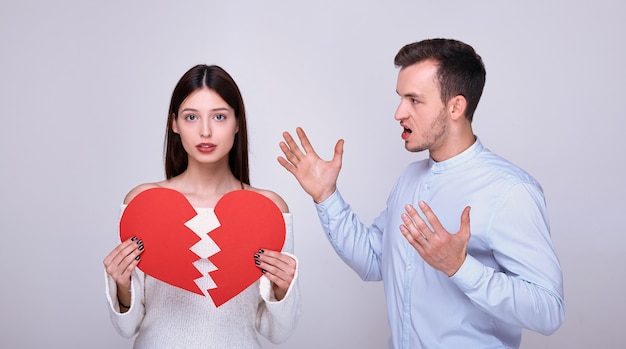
(164, 316)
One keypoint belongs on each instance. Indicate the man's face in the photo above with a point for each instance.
(421, 112)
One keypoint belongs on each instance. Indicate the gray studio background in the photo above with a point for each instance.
(84, 89)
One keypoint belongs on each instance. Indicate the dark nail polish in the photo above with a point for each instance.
(133, 238)
(139, 242)
(140, 248)
(263, 271)
(137, 258)
(256, 255)
(261, 251)
(257, 262)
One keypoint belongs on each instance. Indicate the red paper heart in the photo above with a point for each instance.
(248, 221)
(158, 216)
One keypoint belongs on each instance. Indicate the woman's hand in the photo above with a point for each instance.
(279, 268)
(119, 264)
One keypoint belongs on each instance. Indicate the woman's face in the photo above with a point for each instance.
(207, 126)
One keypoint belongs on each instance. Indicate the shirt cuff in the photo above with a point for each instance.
(468, 277)
(330, 207)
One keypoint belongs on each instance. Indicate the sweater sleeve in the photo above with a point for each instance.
(276, 320)
(127, 324)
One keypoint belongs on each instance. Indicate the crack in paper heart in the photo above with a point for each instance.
(204, 222)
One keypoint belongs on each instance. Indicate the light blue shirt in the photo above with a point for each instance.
(511, 278)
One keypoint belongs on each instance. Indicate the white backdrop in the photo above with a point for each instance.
(84, 89)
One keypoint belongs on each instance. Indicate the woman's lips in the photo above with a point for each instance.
(205, 147)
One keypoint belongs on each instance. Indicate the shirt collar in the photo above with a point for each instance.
(457, 160)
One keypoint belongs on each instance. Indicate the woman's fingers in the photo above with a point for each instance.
(276, 264)
(123, 259)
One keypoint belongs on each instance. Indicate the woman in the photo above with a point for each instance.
(206, 157)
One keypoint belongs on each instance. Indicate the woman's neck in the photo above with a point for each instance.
(204, 186)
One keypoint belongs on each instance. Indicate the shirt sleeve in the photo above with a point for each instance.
(276, 320)
(358, 245)
(528, 289)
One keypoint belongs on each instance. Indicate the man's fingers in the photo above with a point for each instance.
(417, 220)
(290, 148)
(465, 222)
(286, 164)
(414, 237)
(290, 159)
(337, 157)
(304, 140)
(431, 217)
(411, 229)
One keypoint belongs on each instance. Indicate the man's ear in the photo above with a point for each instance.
(457, 106)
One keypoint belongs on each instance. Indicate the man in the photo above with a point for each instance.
(445, 287)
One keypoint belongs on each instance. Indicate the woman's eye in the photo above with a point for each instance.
(190, 117)
(220, 117)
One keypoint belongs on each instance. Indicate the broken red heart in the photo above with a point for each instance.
(158, 216)
(248, 221)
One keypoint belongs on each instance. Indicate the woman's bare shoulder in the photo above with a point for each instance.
(138, 189)
(272, 196)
